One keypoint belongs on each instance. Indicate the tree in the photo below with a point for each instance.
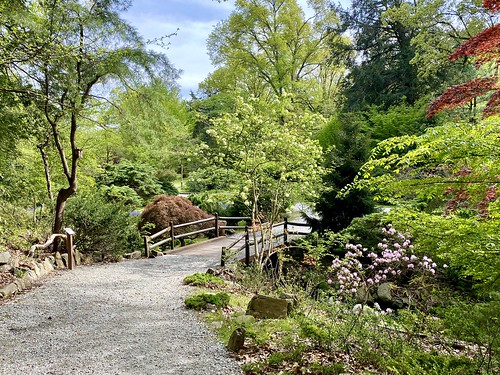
(485, 48)
(381, 73)
(58, 53)
(268, 48)
(265, 156)
(348, 142)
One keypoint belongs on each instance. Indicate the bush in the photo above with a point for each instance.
(200, 301)
(164, 209)
(103, 228)
(204, 280)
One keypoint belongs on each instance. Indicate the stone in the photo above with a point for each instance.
(237, 339)
(210, 307)
(64, 258)
(292, 300)
(216, 325)
(363, 295)
(156, 253)
(264, 307)
(78, 257)
(8, 290)
(48, 266)
(133, 255)
(5, 257)
(59, 260)
(5, 268)
(384, 292)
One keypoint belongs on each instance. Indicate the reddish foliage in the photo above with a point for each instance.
(171, 208)
(457, 95)
(493, 106)
(493, 5)
(490, 196)
(485, 45)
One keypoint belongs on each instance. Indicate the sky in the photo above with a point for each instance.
(195, 20)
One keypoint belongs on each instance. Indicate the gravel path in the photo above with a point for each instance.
(123, 318)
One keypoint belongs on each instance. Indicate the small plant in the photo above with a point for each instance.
(361, 268)
(200, 301)
(203, 280)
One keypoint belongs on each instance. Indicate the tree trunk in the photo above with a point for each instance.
(46, 168)
(62, 197)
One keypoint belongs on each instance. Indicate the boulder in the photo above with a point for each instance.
(384, 292)
(5, 257)
(264, 307)
(237, 339)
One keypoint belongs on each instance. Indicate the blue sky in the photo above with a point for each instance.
(195, 20)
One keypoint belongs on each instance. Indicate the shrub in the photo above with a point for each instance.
(103, 228)
(204, 280)
(200, 301)
(171, 208)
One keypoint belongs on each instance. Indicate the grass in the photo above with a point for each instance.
(325, 336)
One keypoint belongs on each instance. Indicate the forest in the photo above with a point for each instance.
(382, 117)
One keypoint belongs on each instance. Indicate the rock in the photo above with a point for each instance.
(156, 253)
(211, 271)
(384, 292)
(64, 258)
(210, 307)
(263, 307)
(237, 339)
(8, 290)
(59, 260)
(292, 300)
(363, 295)
(244, 319)
(48, 266)
(78, 257)
(216, 325)
(133, 255)
(5, 268)
(5, 257)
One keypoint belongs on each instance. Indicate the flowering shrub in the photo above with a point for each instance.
(394, 262)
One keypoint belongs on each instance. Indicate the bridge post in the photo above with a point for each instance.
(146, 246)
(223, 257)
(247, 246)
(217, 225)
(285, 231)
(172, 236)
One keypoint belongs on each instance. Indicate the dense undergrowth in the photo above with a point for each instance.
(432, 324)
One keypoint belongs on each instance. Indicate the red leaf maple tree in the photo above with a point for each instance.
(485, 47)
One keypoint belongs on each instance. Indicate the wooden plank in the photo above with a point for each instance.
(193, 233)
(160, 233)
(194, 222)
(152, 246)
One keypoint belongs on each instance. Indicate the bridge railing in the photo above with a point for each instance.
(168, 235)
(281, 234)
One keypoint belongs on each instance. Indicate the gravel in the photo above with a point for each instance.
(122, 318)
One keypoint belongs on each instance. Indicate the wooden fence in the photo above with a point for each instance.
(169, 231)
(279, 238)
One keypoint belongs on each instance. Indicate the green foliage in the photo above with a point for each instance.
(203, 280)
(139, 177)
(268, 152)
(200, 301)
(103, 228)
(415, 363)
(477, 323)
(444, 184)
(347, 148)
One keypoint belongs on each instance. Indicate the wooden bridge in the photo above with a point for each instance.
(240, 246)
